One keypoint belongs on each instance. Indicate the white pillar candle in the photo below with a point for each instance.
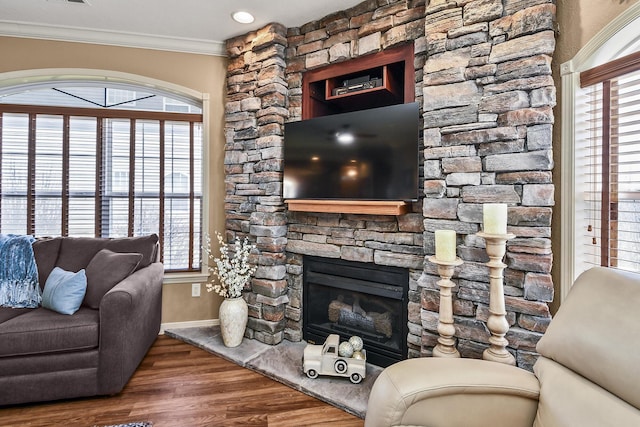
(445, 245)
(494, 217)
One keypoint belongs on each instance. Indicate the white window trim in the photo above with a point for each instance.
(18, 81)
(620, 37)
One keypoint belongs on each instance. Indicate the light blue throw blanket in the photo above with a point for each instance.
(18, 272)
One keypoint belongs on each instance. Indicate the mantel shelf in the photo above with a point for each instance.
(369, 207)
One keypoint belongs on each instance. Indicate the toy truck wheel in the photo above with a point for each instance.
(340, 366)
(312, 373)
(355, 378)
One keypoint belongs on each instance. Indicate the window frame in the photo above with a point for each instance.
(19, 81)
(612, 111)
(619, 38)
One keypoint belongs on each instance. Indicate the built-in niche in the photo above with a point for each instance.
(384, 78)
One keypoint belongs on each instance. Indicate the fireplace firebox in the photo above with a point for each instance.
(353, 298)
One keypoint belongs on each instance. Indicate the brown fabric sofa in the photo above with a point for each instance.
(587, 375)
(45, 355)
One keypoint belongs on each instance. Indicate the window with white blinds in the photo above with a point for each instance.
(608, 164)
(105, 173)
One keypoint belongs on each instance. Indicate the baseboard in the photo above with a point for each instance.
(189, 324)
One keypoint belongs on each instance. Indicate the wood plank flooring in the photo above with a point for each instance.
(178, 385)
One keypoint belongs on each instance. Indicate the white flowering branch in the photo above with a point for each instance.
(233, 273)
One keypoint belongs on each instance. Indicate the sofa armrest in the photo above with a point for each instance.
(130, 315)
(443, 392)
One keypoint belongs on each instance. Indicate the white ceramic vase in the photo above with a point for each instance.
(233, 320)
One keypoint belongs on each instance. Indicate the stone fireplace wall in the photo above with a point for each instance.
(483, 80)
(385, 240)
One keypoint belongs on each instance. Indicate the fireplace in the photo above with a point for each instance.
(352, 298)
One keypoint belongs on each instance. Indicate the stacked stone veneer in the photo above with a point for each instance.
(483, 79)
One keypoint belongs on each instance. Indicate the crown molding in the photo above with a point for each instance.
(111, 38)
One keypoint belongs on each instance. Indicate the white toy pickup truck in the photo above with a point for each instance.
(325, 360)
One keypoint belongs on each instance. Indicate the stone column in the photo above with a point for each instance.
(255, 115)
(488, 99)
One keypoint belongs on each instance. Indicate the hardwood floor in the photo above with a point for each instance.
(178, 385)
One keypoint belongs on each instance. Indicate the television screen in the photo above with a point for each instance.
(364, 155)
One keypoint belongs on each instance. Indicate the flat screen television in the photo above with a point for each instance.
(361, 155)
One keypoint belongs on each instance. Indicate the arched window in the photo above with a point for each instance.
(601, 151)
(106, 159)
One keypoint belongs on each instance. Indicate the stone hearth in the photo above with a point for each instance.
(483, 80)
(284, 364)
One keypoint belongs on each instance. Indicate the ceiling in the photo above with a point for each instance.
(196, 26)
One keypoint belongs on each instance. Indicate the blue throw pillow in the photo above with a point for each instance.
(64, 291)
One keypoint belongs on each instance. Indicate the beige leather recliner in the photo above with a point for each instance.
(587, 375)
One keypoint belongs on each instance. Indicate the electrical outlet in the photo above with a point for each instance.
(195, 289)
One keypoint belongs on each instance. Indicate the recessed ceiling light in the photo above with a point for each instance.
(242, 17)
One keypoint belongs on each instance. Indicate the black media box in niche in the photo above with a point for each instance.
(354, 85)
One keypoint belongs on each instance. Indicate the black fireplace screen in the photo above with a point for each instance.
(350, 298)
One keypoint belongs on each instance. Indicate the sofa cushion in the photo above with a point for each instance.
(569, 399)
(41, 331)
(64, 291)
(77, 252)
(105, 270)
(7, 313)
(35, 364)
(45, 251)
(145, 245)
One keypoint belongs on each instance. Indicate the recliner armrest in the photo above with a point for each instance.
(441, 392)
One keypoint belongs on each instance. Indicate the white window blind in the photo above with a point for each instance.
(608, 167)
(83, 167)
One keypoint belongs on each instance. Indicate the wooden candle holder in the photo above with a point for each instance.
(497, 323)
(446, 346)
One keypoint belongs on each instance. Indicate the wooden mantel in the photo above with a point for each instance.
(369, 207)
